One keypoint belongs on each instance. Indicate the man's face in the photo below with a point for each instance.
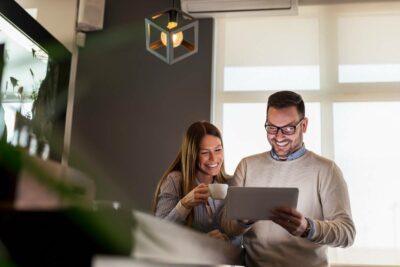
(285, 144)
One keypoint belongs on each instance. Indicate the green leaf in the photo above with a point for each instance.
(14, 81)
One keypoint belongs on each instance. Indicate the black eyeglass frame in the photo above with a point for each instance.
(286, 130)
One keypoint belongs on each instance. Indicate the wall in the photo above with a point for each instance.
(57, 16)
(131, 108)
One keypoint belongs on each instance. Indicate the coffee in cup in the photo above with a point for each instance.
(218, 191)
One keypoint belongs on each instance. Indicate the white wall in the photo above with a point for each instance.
(57, 16)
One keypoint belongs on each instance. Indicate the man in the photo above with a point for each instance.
(295, 237)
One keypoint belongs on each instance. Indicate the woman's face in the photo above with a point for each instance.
(211, 155)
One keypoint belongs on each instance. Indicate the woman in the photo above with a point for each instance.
(182, 194)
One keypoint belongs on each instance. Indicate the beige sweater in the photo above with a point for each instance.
(323, 197)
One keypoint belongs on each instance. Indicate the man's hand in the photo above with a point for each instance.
(198, 195)
(290, 219)
(218, 235)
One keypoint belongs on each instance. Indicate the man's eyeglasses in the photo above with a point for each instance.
(287, 130)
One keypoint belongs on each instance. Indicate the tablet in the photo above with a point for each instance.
(256, 203)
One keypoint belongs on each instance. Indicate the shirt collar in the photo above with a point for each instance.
(295, 155)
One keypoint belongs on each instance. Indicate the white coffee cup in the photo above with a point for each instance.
(218, 191)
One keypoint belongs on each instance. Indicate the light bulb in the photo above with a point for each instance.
(177, 38)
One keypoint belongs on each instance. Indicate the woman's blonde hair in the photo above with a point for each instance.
(187, 161)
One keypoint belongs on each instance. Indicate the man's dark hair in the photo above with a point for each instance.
(284, 99)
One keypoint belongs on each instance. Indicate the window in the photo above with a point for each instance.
(367, 155)
(288, 54)
(25, 68)
(364, 55)
(345, 61)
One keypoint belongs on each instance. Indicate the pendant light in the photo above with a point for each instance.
(171, 35)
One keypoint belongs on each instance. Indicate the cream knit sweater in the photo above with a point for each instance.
(323, 197)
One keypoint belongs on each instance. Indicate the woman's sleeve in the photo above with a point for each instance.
(169, 206)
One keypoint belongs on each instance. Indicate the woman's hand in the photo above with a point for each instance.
(197, 196)
(218, 235)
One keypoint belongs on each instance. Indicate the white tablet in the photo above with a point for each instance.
(256, 203)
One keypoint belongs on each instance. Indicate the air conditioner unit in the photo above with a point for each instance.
(215, 8)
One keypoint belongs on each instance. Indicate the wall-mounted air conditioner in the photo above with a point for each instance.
(212, 8)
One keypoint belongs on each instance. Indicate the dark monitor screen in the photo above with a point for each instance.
(34, 84)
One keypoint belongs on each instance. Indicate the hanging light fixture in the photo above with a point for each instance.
(172, 35)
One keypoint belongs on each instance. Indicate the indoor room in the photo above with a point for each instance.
(97, 96)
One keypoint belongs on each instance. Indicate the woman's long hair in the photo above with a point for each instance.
(187, 161)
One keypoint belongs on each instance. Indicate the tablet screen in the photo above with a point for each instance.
(256, 203)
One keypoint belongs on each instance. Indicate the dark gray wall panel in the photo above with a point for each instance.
(131, 108)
